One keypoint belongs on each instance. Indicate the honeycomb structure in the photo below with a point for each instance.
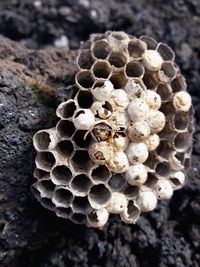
(124, 140)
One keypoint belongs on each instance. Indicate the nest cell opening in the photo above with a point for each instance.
(40, 174)
(65, 148)
(149, 81)
(101, 69)
(64, 212)
(81, 184)
(63, 197)
(85, 59)
(118, 80)
(45, 160)
(81, 139)
(81, 160)
(68, 110)
(136, 49)
(85, 99)
(181, 141)
(164, 149)
(46, 187)
(117, 59)
(166, 52)
(47, 203)
(181, 121)
(163, 169)
(100, 174)
(42, 140)
(133, 211)
(131, 191)
(178, 84)
(61, 175)
(151, 43)
(81, 205)
(101, 49)
(164, 91)
(117, 182)
(85, 79)
(65, 128)
(168, 69)
(99, 196)
(134, 69)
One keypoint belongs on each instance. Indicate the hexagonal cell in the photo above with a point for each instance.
(81, 205)
(150, 81)
(45, 160)
(132, 213)
(65, 128)
(151, 43)
(167, 71)
(118, 80)
(42, 140)
(40, 174)
(65, 148)
(181, 121)
(99, 196)
(78, 218)
(85, 59)
(62, 197)
(187, 163)
(136, 48)
(178, 84)
(165, 92)
(101, 69)
(82, 139)
(46, 188)
(85, 99)
(64, 212)
(84, 79)
(151, 180)
(118, 59)
(163, 169)
(166, 52)
(117, 182)
(66, 110)
(101, 49)
(164, 149)
(151, 160)
(81, 185)
(131, 191)
(47, 203)
(182, 141)
(81, 160)
(100, 174)
(61, 175)
(134, 69)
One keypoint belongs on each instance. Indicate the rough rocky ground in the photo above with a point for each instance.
(30, 235)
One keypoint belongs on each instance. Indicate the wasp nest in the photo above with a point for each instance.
(124, 140)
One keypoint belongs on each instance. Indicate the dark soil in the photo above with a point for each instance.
(29, 234)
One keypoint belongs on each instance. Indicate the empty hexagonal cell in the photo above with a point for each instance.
(118, 59)
(99, 196)
(65, 148)
(45, 160)
(65, 128)
(46, 188)
(134, 69)
(182, 141)
(81, 185)
(101, 49)
(85, 99)
(131, 191)
(132, 213)
(151, 43)
(85, 59)
(176, 160)
(150, 81)
(165, 92)
(66, 109)
(181, 121)
(165, 51)
(82, 139)
(163, 169)
(40, 174)
(151, 180)
(81, 205)
(100, 174)
(118, 80)
(167, 71)
(151, 160)
(178, 84)
(84, 79)
(62, 197)
(136, 48)
(187, 163)
(61, 175)
(81, 160)
(117, 182)
(164, 149)
(101, 69)
(47, 203)
(41, 140)
(78, 218)
(64, 212)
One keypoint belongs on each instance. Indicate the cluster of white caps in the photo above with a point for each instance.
(124, 140)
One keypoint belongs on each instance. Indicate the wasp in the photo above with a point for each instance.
(101, 132)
